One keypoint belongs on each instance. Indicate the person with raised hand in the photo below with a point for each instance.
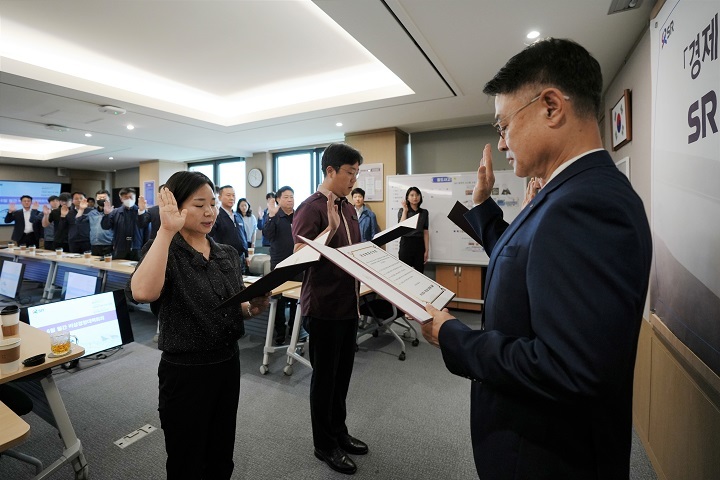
(185, 275)
(552, 366)
(25, 221)
(329, 303)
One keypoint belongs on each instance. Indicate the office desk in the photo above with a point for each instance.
(292, 350)
(93, 264)
(270, 334)
(15, 254)
(13, 429)
(35, 341)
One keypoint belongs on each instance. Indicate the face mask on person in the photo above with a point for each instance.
(129, 202)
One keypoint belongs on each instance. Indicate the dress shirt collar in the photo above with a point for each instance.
(568, 163)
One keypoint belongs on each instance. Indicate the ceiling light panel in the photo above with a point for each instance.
(39, 149)
(340, 71)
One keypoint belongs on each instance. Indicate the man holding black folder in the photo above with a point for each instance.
(329, 302)
(552, 367)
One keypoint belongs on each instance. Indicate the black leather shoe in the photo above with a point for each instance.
(337, 460)
(352, 445)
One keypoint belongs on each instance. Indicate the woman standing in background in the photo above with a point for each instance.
(245, 211)
(414, 246)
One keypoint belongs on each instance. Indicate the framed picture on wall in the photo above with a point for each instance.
(621, 121)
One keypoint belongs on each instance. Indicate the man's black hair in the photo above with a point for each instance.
(338, 154)
(280, 191)
(553, 62)
(357, 190)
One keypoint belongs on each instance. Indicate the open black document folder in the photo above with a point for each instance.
(301, 260)
(457, 216)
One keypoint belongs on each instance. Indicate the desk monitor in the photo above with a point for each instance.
(79, 285)
(11, 276)
(98, 321)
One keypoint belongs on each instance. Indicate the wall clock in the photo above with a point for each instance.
(255, 177)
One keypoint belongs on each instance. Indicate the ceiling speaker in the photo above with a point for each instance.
(57, 128)
(62, 172)
(112, 110)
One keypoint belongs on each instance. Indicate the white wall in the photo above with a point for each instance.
(634, 76)
(454, 150)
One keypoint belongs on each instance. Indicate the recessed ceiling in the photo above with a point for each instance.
(213, 79)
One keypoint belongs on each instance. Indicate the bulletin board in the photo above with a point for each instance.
(370, 179)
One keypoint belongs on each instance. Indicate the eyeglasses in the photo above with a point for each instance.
(352, 173)
(506, 118)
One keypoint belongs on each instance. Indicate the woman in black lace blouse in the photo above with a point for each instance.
(184, 274)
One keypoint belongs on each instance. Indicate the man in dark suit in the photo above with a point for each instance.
(229, 228)
(552, 367)
(154, 217)
(25, 221)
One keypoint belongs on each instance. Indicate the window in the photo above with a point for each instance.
(229, 171)
(300, 169)
(232, 173)
(206, 168)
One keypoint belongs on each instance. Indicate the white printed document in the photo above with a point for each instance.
(395, 281)
(299, 261)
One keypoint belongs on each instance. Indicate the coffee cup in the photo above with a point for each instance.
(87, 255)
(58, 252)
(108, 258)
(251, 251)
(23, 247)
(31, 248)
(60, 343)
(9, 355)
(11, 244)
(10, 317)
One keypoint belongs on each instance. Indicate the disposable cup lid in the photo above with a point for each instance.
(10, 309)
(9, 342)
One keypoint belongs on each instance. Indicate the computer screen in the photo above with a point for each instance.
(77, 285)
(11, 277)
(11, 191)
(98, 321)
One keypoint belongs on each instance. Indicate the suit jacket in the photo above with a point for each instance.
(230, 231)
(278, 230)
(19, 219)
(154, 218)
(565, 291)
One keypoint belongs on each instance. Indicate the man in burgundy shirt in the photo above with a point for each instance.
(329, 302)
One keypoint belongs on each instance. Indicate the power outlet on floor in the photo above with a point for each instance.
(133, 437)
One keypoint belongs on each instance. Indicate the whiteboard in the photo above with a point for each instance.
(440, 191)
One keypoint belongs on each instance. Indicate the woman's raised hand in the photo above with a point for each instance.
(171, 219)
